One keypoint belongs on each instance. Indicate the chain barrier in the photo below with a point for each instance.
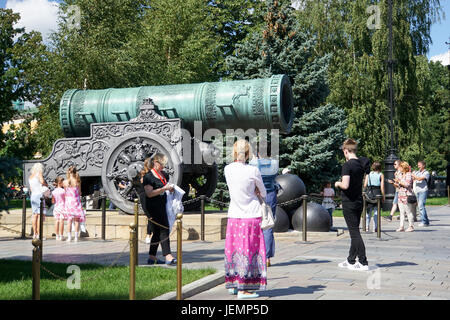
(12, 230)
(119, 255)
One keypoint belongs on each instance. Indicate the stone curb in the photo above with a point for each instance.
(196, 287)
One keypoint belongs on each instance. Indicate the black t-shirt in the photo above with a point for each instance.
(156, 206)
(355, 168)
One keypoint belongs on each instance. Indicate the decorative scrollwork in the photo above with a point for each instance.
(148, 112)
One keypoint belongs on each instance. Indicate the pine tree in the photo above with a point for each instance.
(281, 47)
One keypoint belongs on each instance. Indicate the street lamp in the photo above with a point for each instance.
(389, 169)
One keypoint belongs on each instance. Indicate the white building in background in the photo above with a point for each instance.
(24, 108)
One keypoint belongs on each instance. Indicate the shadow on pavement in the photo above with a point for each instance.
(290, 291)
(397, 264)
(307, 261)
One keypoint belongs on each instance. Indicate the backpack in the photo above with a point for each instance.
(430, 182)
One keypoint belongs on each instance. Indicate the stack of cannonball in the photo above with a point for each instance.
(290, 216)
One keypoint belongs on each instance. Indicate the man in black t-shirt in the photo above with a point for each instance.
(353, 172)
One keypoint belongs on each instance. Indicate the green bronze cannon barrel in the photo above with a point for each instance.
(258, 103)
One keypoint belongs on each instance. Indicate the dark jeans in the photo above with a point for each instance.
(330, 211)
(158, 234)
(352, 214)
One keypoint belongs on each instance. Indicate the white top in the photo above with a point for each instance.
(421, 186)
(35, 185)
(328, 194)
(242, 180)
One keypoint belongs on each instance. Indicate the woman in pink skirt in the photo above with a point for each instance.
(73, 208)
(245, 252)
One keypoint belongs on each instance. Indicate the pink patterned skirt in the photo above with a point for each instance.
(245, 255)
(59, 212)
(73, 208)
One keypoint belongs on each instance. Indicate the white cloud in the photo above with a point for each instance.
(39, 15)
(444, 58)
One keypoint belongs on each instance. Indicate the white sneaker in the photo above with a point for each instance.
(358, 267)
(75, 239)
(344, 264)
(69, 238)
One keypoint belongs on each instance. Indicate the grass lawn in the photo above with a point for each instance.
(112, 284)
(441, 201)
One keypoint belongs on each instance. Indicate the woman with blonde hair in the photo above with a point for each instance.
(36, 182)
(73, 207)
(405, 183)
(245, 252)
(155, 183)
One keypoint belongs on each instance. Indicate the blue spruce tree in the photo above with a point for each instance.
(281, 47)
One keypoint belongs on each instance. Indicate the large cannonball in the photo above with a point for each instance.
(318, 218)
(282, 221)
(292, 187)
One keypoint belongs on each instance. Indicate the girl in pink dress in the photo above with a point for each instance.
(58, 198)
(73, 208)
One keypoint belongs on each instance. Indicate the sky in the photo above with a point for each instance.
(41, 15)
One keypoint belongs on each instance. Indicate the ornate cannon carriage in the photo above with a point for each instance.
(109, 133)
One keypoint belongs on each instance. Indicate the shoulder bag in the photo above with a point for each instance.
(267, 217)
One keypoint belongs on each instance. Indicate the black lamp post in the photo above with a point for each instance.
(389, 169)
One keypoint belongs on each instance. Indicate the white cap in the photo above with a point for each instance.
(285, 170)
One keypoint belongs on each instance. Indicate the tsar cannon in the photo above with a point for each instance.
(109, 133)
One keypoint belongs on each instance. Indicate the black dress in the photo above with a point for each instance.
(156, 208)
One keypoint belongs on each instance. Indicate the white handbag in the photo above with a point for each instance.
(267, 216)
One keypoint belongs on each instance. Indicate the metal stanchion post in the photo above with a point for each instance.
(36, 270)
(179, 255)
(305, 222)
(221, 200)
(41, 227)
(103, 217)
(136, 222)
(132, 262)
(379, 216)
(202, 222)
(364, 213)
(24, 216)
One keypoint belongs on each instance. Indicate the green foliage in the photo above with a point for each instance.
(312, 151)
(176, 44)
(233, 21)
(281, 47)
(11, 89)
(119, 44)
(17, 143)
(358, 77)
(9, 170)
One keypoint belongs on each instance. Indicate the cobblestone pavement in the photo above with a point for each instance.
(403, 265)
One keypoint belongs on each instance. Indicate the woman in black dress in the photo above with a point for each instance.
(155, 183)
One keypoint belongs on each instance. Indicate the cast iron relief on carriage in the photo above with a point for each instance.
(109, 133)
